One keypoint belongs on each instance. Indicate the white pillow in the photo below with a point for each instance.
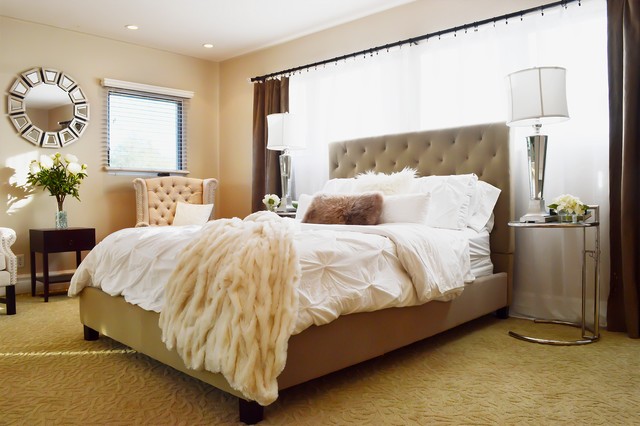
(395, 183)
(192, 214)
(303, 204)
(489, 225)
(450, 199)
(481, 208)
(339, 186)
(405, 208)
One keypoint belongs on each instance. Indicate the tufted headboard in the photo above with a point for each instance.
(481, 149)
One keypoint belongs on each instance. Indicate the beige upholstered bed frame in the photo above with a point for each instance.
(319, 350)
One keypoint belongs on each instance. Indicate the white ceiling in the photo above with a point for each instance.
(234, 27)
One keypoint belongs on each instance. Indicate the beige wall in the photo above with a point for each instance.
(236, 94)
(107, 200)
(220, 119)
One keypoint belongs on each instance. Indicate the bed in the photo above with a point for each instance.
(350, 339)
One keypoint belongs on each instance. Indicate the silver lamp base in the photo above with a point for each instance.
(537, 213)
(537, 158)
(286, 205)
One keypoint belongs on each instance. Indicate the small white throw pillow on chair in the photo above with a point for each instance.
(192, 214)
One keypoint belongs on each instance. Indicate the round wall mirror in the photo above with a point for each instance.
(48, 108)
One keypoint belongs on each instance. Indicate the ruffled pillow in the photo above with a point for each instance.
(481, 207)
(450, 199)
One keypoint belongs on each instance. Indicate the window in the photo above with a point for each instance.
(146, 128)
(459, 80)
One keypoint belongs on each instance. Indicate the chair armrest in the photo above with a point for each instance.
(142, 201)
(209, 187)
(7, 238)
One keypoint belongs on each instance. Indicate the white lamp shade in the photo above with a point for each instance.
(537, 96)
(283, 132)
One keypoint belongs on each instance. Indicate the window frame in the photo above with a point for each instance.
(143, 91)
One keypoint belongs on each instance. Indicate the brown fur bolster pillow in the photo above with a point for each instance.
(352, 209)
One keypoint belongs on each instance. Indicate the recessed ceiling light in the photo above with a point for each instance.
(207, 45)
(131, 27)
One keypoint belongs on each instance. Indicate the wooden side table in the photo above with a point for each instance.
(593, 253)
(53, 240)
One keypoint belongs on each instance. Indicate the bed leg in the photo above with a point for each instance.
(90, 333)
(503, 313)
(250, 411)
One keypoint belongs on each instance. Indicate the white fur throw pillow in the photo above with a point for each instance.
(395, 183)
(345, 209)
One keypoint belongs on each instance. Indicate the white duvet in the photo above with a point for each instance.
(345, 269)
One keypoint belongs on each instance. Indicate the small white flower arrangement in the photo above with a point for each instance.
(568, 204)
(271, 202)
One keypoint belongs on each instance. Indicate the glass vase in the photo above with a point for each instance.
(564, 217)
(61, 219)
(570, 217)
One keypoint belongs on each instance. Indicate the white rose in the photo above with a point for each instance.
(46, 162)
(34, 167)
(74, 168)
(271, 201)
(569, 204)
(70, 158)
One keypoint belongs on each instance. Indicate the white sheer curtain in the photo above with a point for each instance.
(459, 80)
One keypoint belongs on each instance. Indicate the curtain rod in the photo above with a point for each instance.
(416, 40)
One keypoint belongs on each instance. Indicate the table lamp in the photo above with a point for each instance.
(282, 136)
(537, 96)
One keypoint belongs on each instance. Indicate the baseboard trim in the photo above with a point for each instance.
(23, 285)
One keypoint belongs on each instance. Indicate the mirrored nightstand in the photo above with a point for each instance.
(589, 335)
(291, 215)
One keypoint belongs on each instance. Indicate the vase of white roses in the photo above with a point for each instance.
(61, 176)
(569, 208)
(271, 202)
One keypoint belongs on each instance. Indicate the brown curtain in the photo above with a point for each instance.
(623, 310)
(269, 97)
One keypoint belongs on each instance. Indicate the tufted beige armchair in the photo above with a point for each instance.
(156, 198)
(8, 269)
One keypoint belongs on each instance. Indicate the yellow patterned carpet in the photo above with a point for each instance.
(475, 374)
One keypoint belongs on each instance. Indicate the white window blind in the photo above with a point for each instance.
(146, 128)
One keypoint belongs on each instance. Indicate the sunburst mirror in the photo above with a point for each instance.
(47, 108)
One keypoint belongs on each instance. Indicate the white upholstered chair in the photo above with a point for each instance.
(157, 198)
(8, 269)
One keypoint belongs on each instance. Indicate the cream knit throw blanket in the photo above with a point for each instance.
(231, 303)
